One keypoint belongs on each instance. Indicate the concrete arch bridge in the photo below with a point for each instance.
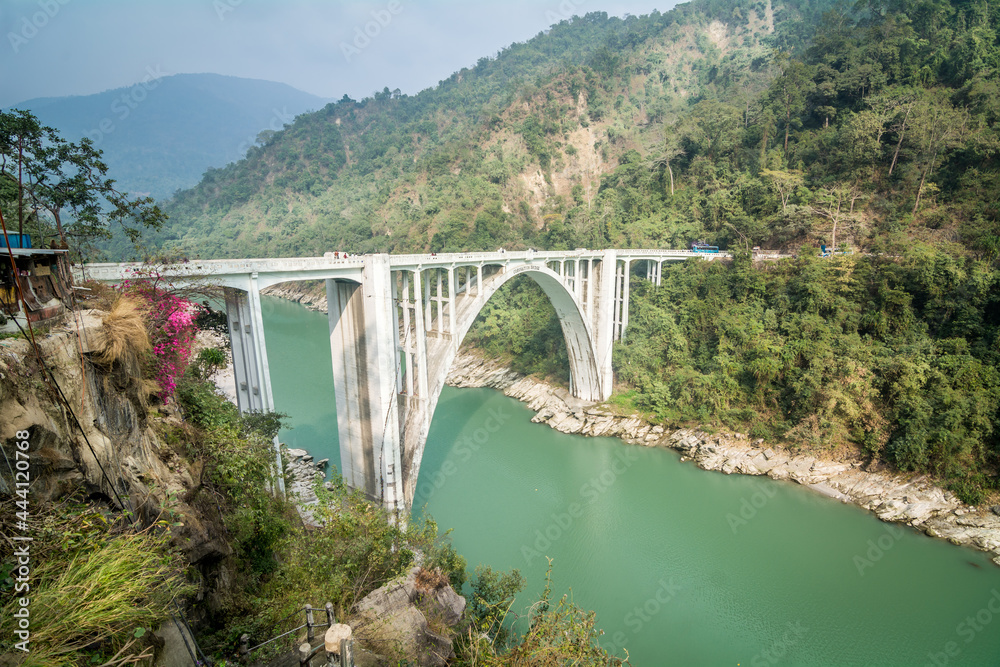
(396, 324)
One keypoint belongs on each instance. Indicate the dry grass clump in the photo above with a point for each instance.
(126, 352)
(430, 580)
(125, 337)
(98, 295)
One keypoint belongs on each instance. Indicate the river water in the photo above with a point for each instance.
(682, 566)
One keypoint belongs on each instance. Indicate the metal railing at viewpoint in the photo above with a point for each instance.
(306, 652)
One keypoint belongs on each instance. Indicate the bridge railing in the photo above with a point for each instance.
(216, 267)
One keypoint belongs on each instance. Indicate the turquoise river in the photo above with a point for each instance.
(683, 567)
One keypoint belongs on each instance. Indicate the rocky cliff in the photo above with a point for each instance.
(91, 433)
(914, 500)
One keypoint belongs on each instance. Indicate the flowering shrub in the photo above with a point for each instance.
(170, 322)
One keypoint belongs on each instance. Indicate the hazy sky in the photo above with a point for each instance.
(71, 47)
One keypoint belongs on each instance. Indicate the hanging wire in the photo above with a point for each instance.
(50, 379)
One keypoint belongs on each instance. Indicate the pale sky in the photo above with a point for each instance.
(77, 47)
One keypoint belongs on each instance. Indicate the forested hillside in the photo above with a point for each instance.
(725, 121)
(869, 127)
(510, 151)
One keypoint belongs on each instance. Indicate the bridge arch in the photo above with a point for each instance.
(585, 378)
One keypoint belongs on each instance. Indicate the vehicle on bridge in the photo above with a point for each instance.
(701, 246)
(842, 250)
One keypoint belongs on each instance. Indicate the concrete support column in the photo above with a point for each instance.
(421, 342)
(626, 274)
(440, 299)
(603, 300)
(402, 303)
(245, 363)
(617, 315)
(364, 343)
(428, 318)
(479, 279)
(400, 350)
(452, 329)
(593, 284)
(577, 280)
(252, 375)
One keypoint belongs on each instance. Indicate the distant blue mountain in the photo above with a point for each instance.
(161, 135)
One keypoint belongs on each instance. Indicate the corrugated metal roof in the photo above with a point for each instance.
(28, 252)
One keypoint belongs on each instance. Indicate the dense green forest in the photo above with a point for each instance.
(871, 127)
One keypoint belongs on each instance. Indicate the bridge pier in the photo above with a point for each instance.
(603, 303)
(250, 369)
(363, 340)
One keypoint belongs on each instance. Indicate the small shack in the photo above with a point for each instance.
(40, 275)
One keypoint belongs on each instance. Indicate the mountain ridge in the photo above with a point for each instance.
(162, 133)
(453, 123)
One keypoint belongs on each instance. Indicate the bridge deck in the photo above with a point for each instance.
(281, 269)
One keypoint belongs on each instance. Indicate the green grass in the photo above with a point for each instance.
(97, 590)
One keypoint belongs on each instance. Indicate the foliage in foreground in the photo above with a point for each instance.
(98, 587)
(278, 564)
(563, 634)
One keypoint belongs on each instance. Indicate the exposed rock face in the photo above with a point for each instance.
(910, 499)
(113, 432)
(304, 473)
(393, 620)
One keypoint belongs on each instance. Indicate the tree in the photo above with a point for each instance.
(870, 125)
(54, 176)
(790, 91)
(671, 151)
(937, 128)
(712, 128)
(837, 206)
(785, 183)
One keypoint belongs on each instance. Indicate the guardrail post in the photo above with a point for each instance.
(309, 623)
(329, 614)
(244, 647)
(305, 653)
(346, 653)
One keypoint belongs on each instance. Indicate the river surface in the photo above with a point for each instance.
(683, 566)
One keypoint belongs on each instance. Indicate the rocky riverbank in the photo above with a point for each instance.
(910, 499)
(310, 295)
